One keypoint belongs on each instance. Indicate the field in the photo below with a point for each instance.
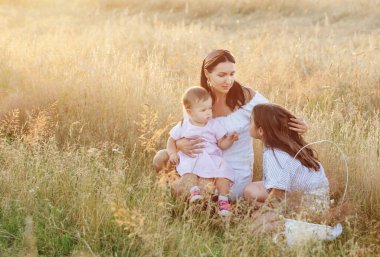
(90, 89)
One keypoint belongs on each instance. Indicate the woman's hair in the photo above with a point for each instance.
(273, 119)
(193, 95)
(235, 96)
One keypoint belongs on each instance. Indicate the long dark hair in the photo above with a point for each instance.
(235, 96)
(273, 119)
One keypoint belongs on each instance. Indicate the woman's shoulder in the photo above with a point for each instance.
(253, 97)
(249, 93)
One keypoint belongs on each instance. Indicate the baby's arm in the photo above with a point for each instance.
(226, 141)
(172, 151)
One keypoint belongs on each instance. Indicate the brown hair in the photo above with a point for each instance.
(235, 97)
(193, 95)
(273, 119)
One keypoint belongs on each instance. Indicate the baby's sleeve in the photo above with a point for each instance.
(218, 129)
(275, 174)
(176, 131)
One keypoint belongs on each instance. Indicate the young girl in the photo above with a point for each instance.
(209, 164)
(281, 171)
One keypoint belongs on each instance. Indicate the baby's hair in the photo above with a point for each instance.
(194, 95)
(274, 119)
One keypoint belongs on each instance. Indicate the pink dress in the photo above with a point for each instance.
(209, 163)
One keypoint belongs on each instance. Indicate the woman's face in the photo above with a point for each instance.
(222, 77)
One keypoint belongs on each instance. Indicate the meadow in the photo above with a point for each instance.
(90, 89)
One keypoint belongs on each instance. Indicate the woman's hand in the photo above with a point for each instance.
(190, 147)
(298, 125)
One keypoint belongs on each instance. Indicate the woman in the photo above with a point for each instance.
(232, 106)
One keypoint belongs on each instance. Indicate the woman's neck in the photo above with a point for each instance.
(219, 97)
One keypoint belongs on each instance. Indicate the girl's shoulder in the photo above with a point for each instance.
(283, 159)
(275, 151)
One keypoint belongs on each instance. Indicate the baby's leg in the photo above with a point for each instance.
(160, 160)
(223, 185)
(256, 193)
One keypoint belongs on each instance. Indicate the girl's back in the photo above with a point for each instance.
(282, 171)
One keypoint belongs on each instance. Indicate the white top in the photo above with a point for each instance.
(282, 171)
(241, 152)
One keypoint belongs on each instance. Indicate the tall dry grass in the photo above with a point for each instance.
(88, 90)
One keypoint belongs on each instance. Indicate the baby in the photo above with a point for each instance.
(208, 165)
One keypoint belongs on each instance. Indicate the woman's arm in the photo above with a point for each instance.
(298, 125)
(190, 147)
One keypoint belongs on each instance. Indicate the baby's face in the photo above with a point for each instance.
(201, 111)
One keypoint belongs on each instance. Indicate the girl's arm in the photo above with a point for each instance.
(226, 141)
(268, 219)
(275, 197)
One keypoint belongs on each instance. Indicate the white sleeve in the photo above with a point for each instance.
(257, 99)
(176, 131)
(239, 120)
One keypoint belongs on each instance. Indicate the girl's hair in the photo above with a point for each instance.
(193, 95)
(273, 119)
(235, 97)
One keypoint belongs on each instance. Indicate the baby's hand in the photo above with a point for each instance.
(173, 159)
(233, 136)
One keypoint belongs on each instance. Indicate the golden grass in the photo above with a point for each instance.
(89, 89)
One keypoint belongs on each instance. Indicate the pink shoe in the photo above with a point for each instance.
(195, 195)
(224, 208)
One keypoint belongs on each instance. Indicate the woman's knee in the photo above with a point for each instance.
(255, 191)
(247, 192)
(177, 187)
(207, 185)
(237, 190)
(160, 160)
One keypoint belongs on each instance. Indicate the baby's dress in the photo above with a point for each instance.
(209, 163)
